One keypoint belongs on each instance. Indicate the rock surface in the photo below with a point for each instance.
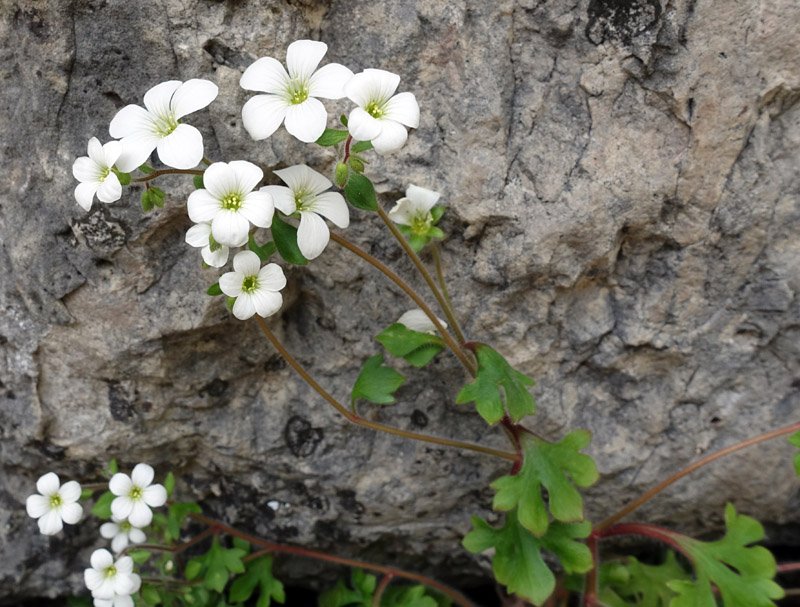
(624, 198)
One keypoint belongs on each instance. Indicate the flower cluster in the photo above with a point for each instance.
(111, 580)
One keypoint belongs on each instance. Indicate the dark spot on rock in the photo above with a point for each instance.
(119, 405)
(419, 419)
(347, 498)
(224, 55)
(318, 503)
(796, 383)
(31, 19)
(690, 109)
(115, 98)
(10, 395)
(620, 20)
(3, 340)
(216, 388)
(285, 533)
(329, 531)
(50, 450)
(274, 364)
(301, 438)
(715, 420)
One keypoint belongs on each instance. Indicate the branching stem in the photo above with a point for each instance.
(155, 174)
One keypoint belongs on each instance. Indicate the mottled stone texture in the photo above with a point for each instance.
(623, 190)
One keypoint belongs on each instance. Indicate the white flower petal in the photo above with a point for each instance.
(130, 120)
(282, 197)
(271, 277)
(362, 126)
(393, 136)
(71, 513)
(247, 175)
(140, 515)
(136, 149)
(137, 536)
(371, 85)
(247, 263)
(182, 148)
(84, 194)
(243, 307)
(48, 484)
(217, 258)
(50, 523)
(142, 475)
(417, 320)
(424, 199)
(110, 189)
(157, 99)
(332, 206)
(197, 235)
(192, 95)
(202, 207)
(124, 565)
(403, 212)
(101, 558)
(230, 283)
(120, 484)
(301, 178)
(220, 180)
(328, 81)
(258, 208)
(266, 75)
(105, 590)
(104, 602)
(303, 57)
(266, 303)
(306, 120)
(84, 169)
(111, 152)
(37, 505)
(312, 235)
(230, 228)
(124, 600)
(109, 530)
(403, 108)
(155, 496)
(121, 507)
(119, 543)
(92, 578)
(95, 150)
(263, 114)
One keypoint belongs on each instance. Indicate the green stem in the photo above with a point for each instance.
(437, 262)
(650, 494)
(360, 421)
(156, 174)
(272, 547)
(391, 275)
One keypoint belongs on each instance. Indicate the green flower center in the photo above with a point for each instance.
(104, 173)
(232, 202)
(375, 109)
(297, 92)
(125, 526)
(136, 493)
(164, 125)
(250, 284)
(110, 571)
(56, 501)
(303, 200)
(421, 224)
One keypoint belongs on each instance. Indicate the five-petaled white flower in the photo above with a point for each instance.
(292, 96)
(307, 196)
(380, 116)
(214, 254)
(143, 130)
(256, 289)
(108, 578)
(57, 504)
(96, 175)
(136, 495)
(229, 202)
(417, 320)
(414, 210)
(121, 533)
(120, 600)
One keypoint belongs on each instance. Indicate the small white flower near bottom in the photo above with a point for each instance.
(214, 254)
(108, 578)
(96, 175)
(417, 320)
(414, 210)
(57, 504)
(119, 600)
(256, 289)
(121, 533)
(136, 495)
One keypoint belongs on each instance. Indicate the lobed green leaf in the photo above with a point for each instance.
(415, 347)
(376, 382)
(635, 584)
(102, 507)
(331, 137)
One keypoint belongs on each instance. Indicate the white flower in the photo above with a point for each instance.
(380, 116)
(56, 505)
(108, 578)
(306, 195)
(143, 130)
(414, 210)
(96, 175)
(120, 600)
(229, 202)
(417, 320)
(121, 533)
(256, 289)
(136, 495)
(292, 96)
(214, 254)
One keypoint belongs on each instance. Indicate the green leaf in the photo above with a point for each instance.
(264, 251)
(794, 439)
(150, 595)
(176, 514)
(146, 169)
(242, 544)
(285, 236)
(361, 146)
(169, 482)
(437, 212)
(331, 137)
(112, 468)
(376, 382)
(341, 174)
(407, 596)
(152, 197)
(517, 562)
(552, 467)
(140, 556)
(214, 289)
(496, 379)
(356, 164)
(743, 574)
(86, 493)
(193, 568)
(343, 119)
(198, 182)
(636, 584)
(124, 178)
(360, 193)
(363, 587)
(102, 507)
(229, 301)
(416, 347)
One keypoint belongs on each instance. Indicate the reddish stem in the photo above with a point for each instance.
(347, 148)
(788, 567)
(385, 581)
(662, 534)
